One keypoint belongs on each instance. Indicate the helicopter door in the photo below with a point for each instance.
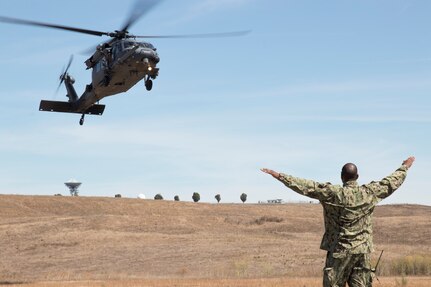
(116, 50)
(99, 72)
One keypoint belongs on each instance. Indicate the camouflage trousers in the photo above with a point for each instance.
(354, 269)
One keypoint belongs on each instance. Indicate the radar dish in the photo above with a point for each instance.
(73, 186)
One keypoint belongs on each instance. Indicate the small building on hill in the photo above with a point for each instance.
(272, 201)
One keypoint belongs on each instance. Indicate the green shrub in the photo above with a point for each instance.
(158, 197)
(196, 197)
(243, 197)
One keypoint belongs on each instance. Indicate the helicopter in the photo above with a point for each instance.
(117, 64)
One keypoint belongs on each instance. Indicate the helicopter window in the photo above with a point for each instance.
(127, 44)
(103, 63)
(116, 49)
(147, 45)
(97, 67)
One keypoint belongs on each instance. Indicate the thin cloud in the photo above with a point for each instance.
(193, 159)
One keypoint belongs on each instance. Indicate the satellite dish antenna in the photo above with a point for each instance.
(73, 186)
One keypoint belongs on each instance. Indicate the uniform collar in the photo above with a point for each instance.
(351, 183)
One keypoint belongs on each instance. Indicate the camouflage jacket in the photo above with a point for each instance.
(347, 209)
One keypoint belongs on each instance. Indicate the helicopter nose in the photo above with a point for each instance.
(150, 55)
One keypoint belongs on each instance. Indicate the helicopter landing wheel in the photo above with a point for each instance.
(81, 121)
(149, 84)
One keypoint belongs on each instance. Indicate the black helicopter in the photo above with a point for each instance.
(117, 65)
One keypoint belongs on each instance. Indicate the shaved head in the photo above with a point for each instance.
(349, 172)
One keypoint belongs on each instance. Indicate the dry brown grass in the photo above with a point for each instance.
(69, 239)
(266, 282)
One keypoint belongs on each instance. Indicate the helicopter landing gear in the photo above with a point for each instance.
(149, 84)
(81, 121)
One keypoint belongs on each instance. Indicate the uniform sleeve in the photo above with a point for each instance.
(389, 184)
(310, 188)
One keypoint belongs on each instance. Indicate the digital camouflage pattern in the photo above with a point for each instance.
(354, 269)
(347, 209)
(347, 214)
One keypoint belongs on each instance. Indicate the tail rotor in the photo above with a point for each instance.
(64, 73)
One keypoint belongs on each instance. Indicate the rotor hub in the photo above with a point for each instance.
(119, 34)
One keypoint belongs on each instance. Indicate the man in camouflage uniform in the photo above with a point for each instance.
(347, 212)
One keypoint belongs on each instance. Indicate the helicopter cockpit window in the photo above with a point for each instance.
(116, 49)
(127, 44)
(147, 45)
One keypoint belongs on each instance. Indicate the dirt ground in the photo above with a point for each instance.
(69, 239)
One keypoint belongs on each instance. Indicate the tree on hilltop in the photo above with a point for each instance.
(243, 197)
(196, 197)
(218, 197)
(158, 197)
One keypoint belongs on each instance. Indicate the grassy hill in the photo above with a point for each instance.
(45, 238)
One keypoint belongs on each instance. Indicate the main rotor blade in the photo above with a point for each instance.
(207, 35)
(34, 23)
(140, 8)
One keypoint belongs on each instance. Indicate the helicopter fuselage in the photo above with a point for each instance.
(117, 67)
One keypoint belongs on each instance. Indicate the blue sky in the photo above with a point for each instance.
(315, 84)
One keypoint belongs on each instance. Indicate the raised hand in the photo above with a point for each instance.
(271, 172)
(408, 162)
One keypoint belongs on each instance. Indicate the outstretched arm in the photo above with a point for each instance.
(275, 174)
(389, 184)
(319, 191)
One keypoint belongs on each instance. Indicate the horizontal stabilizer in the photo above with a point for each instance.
(66, 107)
